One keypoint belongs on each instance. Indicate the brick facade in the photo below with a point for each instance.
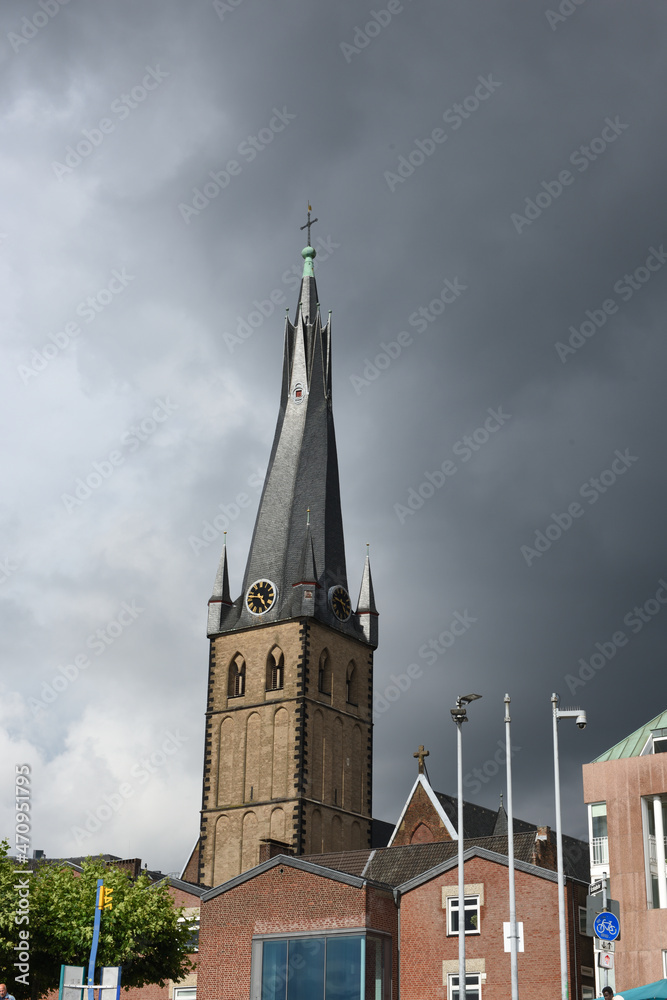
(421, 823)
(425, 945)
(286, 899)
(282, 900)
(292, 765)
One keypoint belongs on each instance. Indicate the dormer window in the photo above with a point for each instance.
(660, 745)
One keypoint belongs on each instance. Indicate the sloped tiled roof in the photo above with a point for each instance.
(478, 821)
(396, 865)
(633, 744)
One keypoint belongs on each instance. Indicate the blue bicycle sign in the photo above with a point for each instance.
(606, 926)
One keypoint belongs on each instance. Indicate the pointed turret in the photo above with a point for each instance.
(304, 587)
(220, 599)
(366, 610)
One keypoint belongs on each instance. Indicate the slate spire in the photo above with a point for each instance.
(366, 610)
(302, 475)
(220, 600)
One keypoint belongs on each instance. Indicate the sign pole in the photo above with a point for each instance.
(604, 907)
(96, 936)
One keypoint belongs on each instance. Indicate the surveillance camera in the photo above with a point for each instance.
(581, 721)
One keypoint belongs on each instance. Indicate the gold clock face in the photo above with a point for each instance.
(340, 603)
(261, 597)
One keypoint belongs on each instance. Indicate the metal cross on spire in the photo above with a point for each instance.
(309, 223)
(421, 753)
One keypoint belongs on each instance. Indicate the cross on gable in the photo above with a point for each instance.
(421, 753)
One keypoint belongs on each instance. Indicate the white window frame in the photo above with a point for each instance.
(664, 963)
(185, 993)
(451, 976)
(472, 901)
(588, 993)
(583, 920)
(193, 925)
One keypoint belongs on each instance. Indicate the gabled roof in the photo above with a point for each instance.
(396, 865)
(477, 852)
(437, 805)
(178, 883)
(291, 862)
(633, 744)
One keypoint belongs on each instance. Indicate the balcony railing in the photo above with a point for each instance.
(652, 851)
(600, 850)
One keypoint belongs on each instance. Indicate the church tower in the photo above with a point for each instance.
(288, 749)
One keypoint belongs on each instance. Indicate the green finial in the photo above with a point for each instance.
(308, 254)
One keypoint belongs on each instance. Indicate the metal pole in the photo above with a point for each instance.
(604, 907)
(462, 919)
(559, 843)
(93, 947)
(514, 938)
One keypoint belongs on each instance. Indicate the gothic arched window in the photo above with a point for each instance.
(236, 683)
(324, 673)
(275, 670)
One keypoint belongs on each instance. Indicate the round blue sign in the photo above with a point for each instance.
(606, 926)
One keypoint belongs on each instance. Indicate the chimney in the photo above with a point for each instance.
(272, 848)
(544, 849)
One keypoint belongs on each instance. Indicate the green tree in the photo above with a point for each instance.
(141, 932)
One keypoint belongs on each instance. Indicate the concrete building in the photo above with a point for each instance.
(626, 793)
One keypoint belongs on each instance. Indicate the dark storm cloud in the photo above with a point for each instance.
(507, 154)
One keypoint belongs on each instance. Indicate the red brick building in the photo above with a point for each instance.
(361, 923)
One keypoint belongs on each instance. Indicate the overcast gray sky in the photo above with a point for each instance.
(489, 184)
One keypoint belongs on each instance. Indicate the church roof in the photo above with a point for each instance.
(297, 544)
(633, 744)
(397, 865)
(478, 821)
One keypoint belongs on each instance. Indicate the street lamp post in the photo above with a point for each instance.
(459, 716)
(514, 938)
(580, 718)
